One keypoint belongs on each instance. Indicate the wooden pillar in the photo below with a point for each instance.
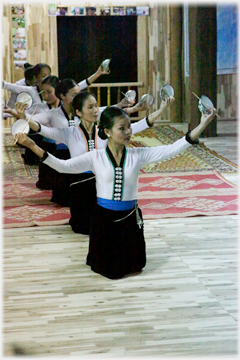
(175, 23)
(142, 55)
(202, 61)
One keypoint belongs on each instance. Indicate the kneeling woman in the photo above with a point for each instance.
(117, 246)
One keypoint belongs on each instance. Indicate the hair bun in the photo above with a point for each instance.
(101, 132)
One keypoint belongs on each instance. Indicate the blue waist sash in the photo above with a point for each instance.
(48, 140)
(62, 146)
(117, 205)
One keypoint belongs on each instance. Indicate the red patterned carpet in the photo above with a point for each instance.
(183, 195)
(25, 205)
(188, 185)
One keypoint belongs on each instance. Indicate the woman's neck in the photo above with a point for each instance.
(88, 125)
(67, 108)
(55, 104)
(116, 150)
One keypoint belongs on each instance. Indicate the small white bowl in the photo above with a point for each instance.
(169, 90)
(18, 127)
(205, 105)
(105, 64)
(24, 96)
(148, 98)
(131, 94)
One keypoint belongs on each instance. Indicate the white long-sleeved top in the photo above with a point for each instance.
(116, 182)
(57, 118)
(33, 92)
(77, 142)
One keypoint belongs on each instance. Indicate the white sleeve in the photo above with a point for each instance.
(75, 165)
(139, 126)
(43, 118)
(83, 84)
(54, 134)
(18, 88)
(160, 153)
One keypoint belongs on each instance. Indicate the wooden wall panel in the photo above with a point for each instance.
(41, 35)
(227, 95)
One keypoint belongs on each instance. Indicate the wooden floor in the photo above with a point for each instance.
(184, 303)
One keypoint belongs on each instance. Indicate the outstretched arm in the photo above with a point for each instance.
(24, 140)
(204, 122)
(164, 105)
(100, 71)
(76, 165)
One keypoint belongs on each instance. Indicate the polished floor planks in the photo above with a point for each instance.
(184, 301)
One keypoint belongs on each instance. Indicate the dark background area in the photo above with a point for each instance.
(84, 42)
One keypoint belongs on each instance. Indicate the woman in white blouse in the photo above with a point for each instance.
(80, 188)
(117, 245)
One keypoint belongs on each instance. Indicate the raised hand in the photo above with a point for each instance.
(101, 71)
(166, 103)
(207, 118)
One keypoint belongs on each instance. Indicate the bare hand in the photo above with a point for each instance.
(101, 71)
(20, 109)
(24, 140)
(125, 102)
(207, 118)
(166, 103)
(142, 106)
(11, 111)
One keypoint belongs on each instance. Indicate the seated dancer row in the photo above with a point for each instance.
(117, 245)
(79, 140)
(41, 71)
(61, 117)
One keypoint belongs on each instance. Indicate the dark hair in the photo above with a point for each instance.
(64, 86)
(51, 80)
(107, 119)
(29, 74)
(38, 68)
(79, 100)
(27, 65)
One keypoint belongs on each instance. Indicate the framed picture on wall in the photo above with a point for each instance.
(76, 11)
(19, 64)
(18, 10)
(90, 11)
(142, 10)
(19, 43)
(52, 9)
(118, 10)
(105, 11)
(62, 11)
(131, 10)
(20, 54)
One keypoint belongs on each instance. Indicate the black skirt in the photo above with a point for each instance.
(116, 249)
(82, 199)
(60, 190)
(47, 176)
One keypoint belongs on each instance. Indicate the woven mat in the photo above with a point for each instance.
(195, 190)
(195, 158)
(186, 194)
(13, 164)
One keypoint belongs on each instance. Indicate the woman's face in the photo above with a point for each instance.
(121, 131)
(89, 110)
(49, 94)
(68, 97)
(45, 71)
